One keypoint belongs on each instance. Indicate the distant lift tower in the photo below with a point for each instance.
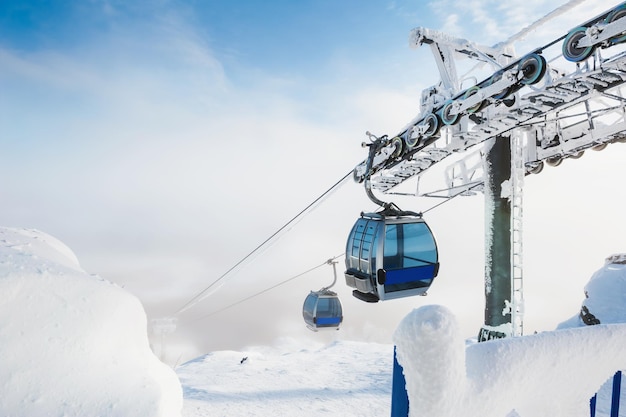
(517, 113)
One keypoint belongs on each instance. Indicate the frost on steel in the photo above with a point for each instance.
(563, 98)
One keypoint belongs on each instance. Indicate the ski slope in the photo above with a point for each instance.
(341, 379)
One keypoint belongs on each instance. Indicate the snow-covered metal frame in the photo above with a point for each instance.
(566, 107)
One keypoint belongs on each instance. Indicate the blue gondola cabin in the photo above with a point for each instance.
(322, 310)
(391, 254)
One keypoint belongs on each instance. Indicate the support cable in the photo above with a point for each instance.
(553, 14)
(199, 296)
(308, 270)
(265, 290)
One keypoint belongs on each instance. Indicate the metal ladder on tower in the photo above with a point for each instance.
(518, 172)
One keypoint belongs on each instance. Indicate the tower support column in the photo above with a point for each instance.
(498, 238)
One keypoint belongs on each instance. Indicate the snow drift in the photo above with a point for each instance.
(72, 343)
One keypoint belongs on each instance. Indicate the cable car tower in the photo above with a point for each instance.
(518, 113)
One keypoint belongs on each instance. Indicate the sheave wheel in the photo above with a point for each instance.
(616, 14)
(470, 92)
(537, 168)
(554, 161)
(447, 117)
(533, 68)
(504, 93)
(398, 147)
(432, 121)
(571, 51)
(411, 141)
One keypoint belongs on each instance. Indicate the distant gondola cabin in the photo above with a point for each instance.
(390, 255)
(322, 310)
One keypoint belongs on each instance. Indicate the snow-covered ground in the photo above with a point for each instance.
(340, 379)
(550, 374)
(74, 344)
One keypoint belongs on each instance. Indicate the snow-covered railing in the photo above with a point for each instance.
(552, 373)
(400, 398)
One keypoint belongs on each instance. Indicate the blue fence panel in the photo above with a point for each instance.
(617, 384)
(615, 394)
(399, 396)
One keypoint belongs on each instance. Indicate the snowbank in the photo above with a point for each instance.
(552, 374)
(72, 344)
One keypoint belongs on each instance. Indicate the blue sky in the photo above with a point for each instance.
(288, 38)
(164, 140)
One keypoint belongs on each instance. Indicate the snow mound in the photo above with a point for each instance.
(71, 343)
(605, 296)
(552, 374)
(342, 379)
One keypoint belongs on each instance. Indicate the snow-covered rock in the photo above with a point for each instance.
(73, 344)
(605, 296)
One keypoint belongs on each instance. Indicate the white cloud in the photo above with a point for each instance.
(142, 154)
(489, 22)
(145, 155)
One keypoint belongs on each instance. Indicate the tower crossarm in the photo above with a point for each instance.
(569, 95)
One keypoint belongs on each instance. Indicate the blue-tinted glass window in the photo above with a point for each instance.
(366, 246)
(393, 246)
(391, 240)
(357, 237)
(375, 249)
(328, 307)
(419, 245)
(409, 245)
(309, 307)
